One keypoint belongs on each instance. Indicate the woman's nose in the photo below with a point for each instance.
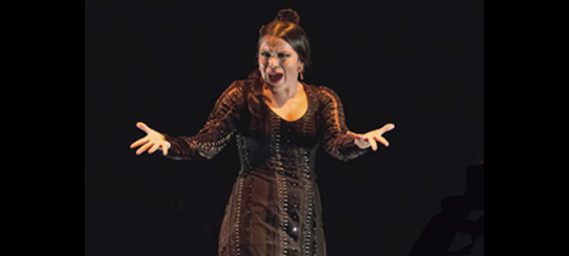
(273, 62)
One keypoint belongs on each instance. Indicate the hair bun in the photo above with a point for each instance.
(288, 15)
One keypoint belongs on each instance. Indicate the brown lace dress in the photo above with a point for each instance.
(274, 207)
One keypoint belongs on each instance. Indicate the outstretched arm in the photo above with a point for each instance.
(211, 139)
(339, 142)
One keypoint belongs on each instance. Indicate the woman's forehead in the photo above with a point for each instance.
(274, 43)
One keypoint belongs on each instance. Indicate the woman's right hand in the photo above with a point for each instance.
(151, 142)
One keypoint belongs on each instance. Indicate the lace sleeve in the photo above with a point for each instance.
(216, 133)
(336, 141)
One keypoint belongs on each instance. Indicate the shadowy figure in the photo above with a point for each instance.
(438, 235)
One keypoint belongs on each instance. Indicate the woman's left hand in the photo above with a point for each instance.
(372, 137)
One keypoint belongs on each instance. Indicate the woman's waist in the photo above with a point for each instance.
(275, 168)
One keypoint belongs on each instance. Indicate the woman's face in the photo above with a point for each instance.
(279, 63)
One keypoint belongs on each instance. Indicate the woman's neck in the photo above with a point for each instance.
(281, 96)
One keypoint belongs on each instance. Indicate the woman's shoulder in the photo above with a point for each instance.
(323, 92)
(236, 87)
(234, 92)
(237, 84)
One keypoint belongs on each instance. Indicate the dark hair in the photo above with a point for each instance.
(285, 26)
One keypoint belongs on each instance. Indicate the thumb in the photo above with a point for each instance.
(143, 126)
(390, 126)
(386, 128)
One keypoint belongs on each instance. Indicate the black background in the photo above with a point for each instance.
(418, 64)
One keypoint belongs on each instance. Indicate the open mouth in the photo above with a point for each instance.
(275, 77)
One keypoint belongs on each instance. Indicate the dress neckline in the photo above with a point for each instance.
(306, 92)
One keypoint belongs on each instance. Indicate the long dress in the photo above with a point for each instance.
(274, 207)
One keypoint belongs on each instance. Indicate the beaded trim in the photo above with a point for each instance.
(236, 248)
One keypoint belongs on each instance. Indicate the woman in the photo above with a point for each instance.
(278, 122)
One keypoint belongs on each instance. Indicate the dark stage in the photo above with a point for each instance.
(418, 64)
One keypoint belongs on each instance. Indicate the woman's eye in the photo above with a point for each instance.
(265, 54)
(283, 55)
